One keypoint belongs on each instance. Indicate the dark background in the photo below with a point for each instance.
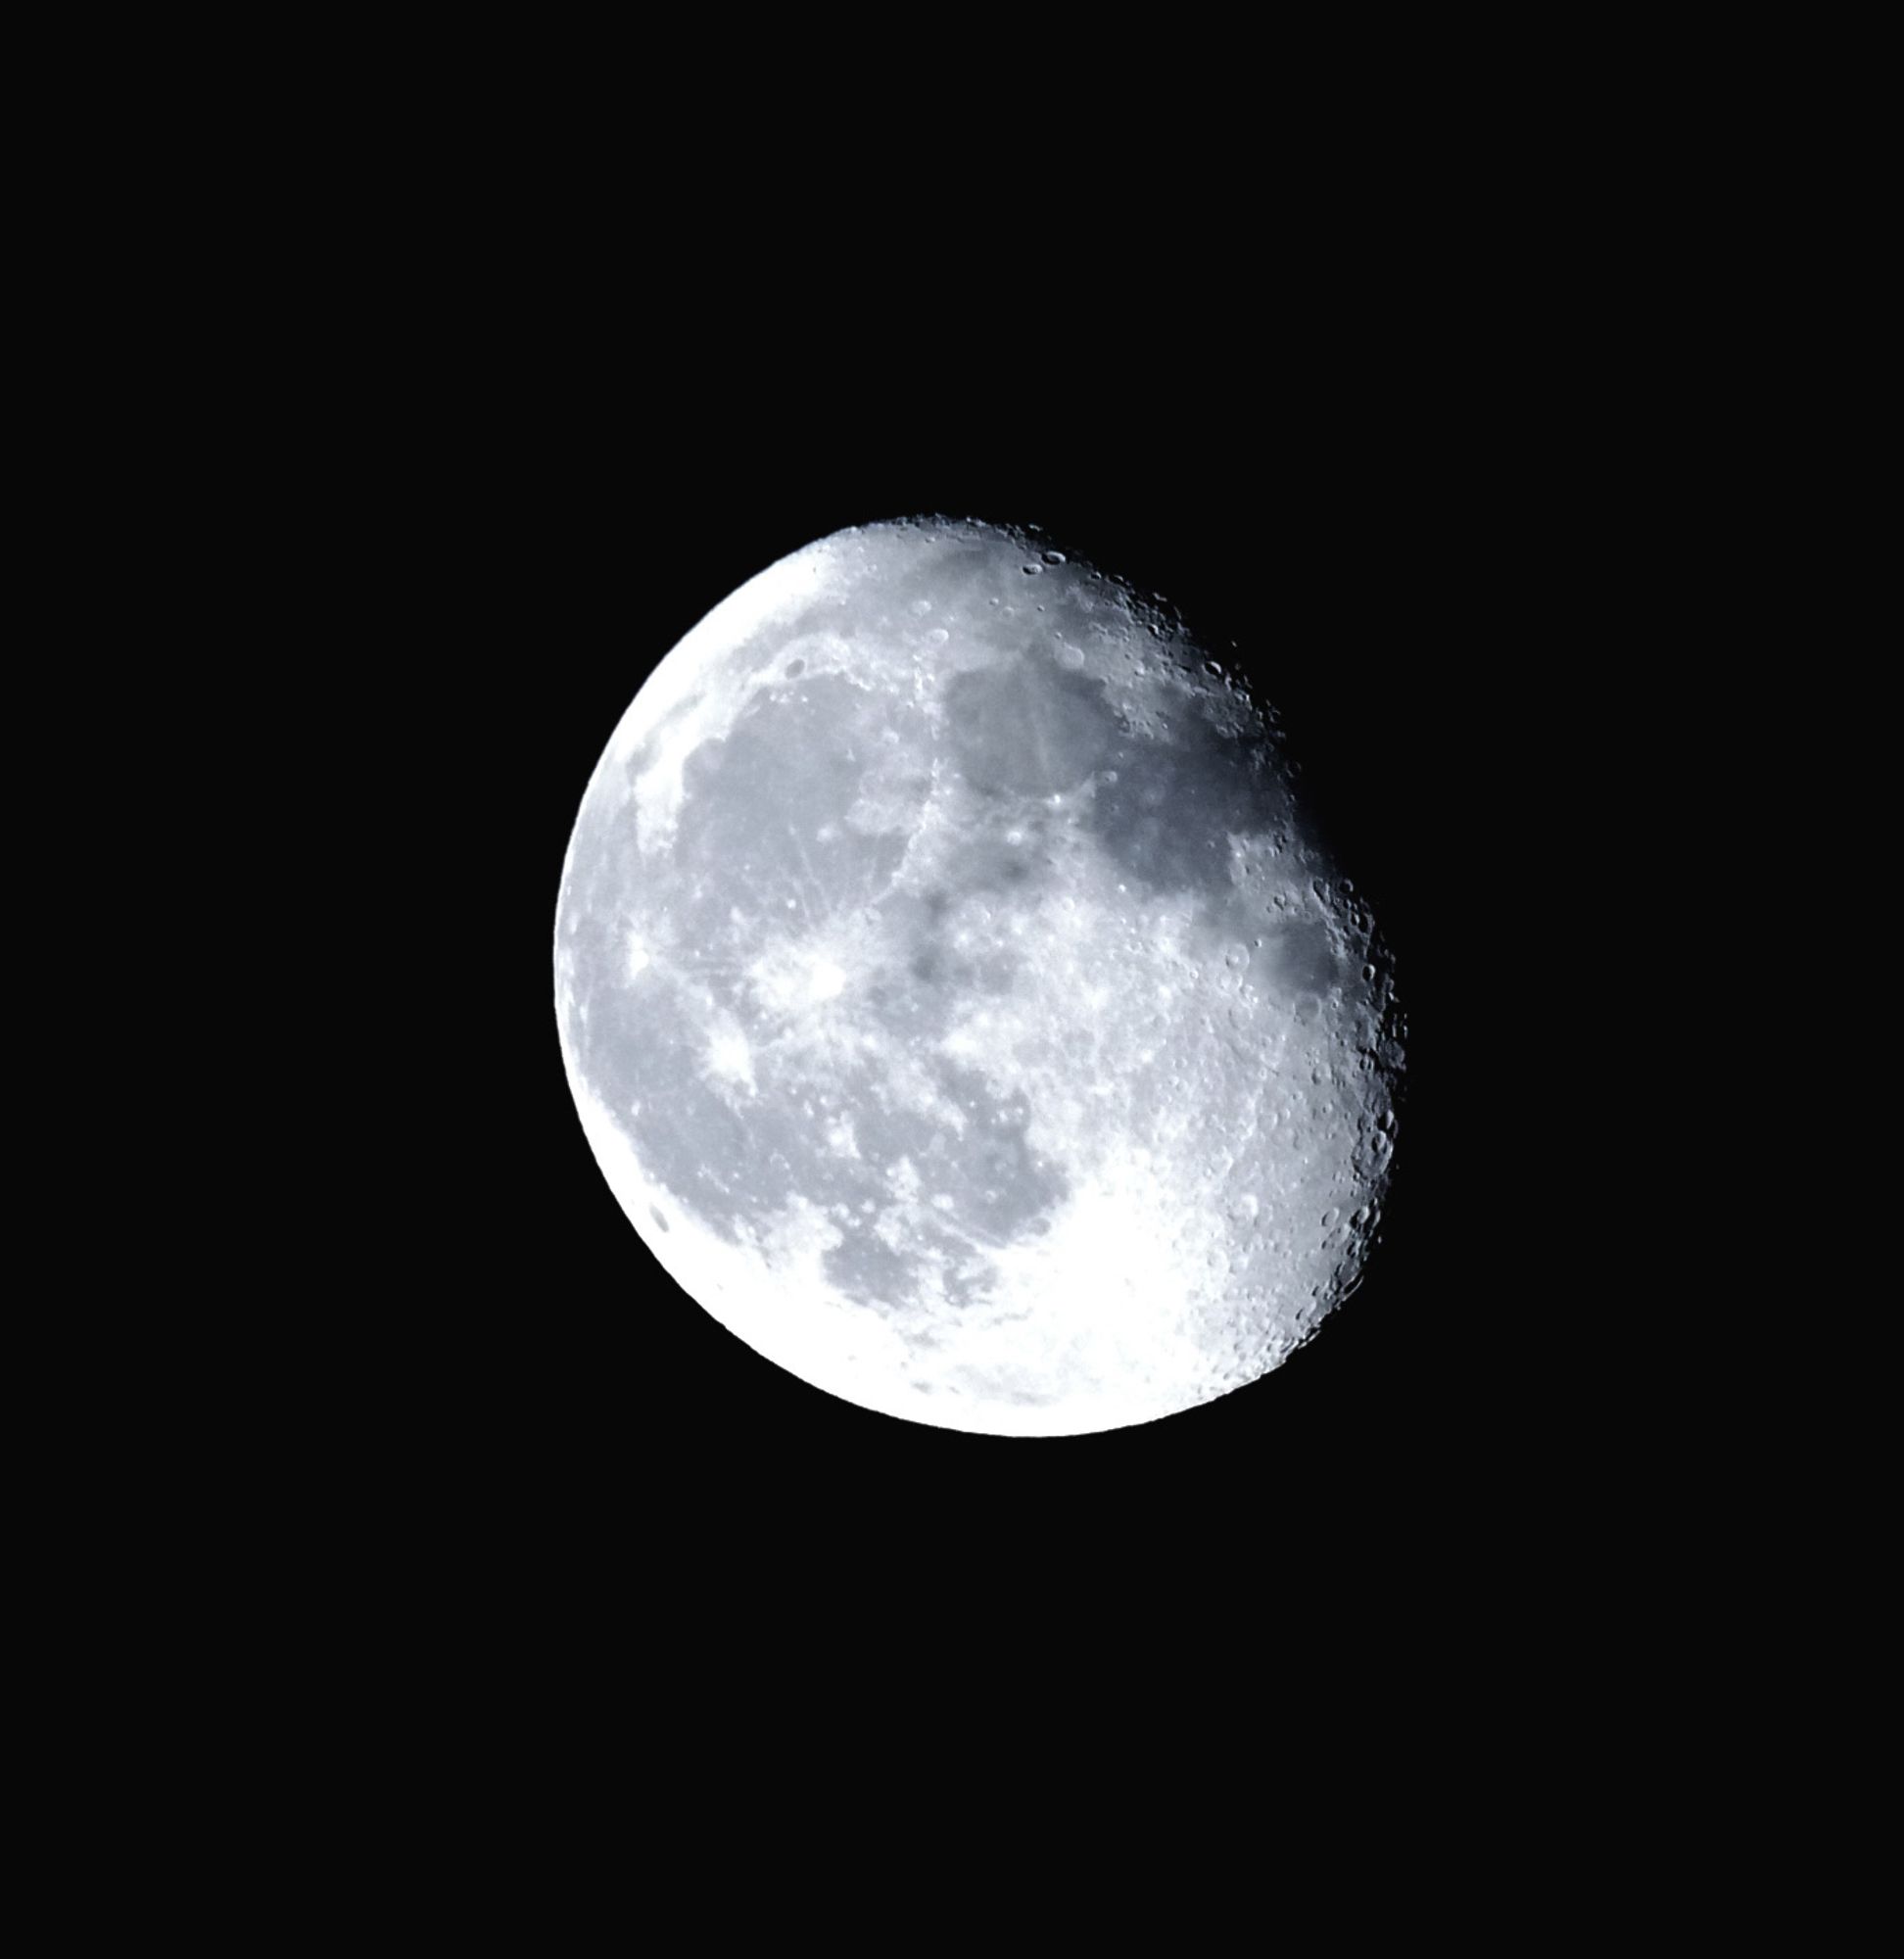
(1361, 524)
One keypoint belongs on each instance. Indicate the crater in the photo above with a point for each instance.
(1303, 959)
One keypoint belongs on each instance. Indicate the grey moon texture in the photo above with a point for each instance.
(957, 999)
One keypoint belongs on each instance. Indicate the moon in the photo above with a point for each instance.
(958, 1001)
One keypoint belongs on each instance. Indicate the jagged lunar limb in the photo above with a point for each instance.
(956, 1001)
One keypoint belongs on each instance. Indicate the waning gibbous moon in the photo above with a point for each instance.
(957, 1000)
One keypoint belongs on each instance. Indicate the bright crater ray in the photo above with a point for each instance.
(956, 1001)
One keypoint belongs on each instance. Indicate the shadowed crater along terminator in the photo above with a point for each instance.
(957, 1001)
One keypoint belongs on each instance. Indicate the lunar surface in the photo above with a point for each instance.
(957, 1001)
